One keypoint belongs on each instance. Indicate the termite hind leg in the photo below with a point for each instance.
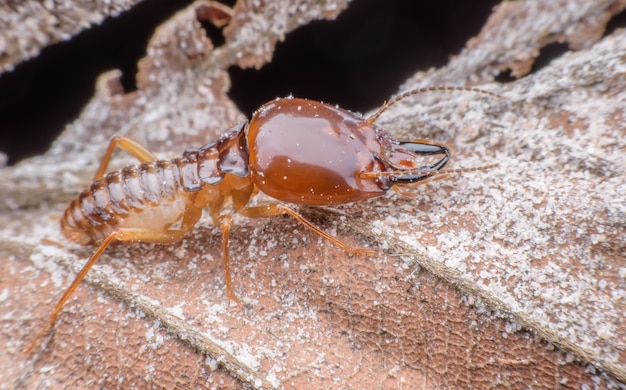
(225, 223)
(57, 309)
(155, 236)
(127, 144)
(280, 209)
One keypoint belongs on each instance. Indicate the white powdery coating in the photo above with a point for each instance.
(513, 249)
(535, 219)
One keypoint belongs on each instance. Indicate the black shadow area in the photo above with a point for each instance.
(43, 94)
(362, 57)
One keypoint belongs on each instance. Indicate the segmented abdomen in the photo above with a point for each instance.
(146, 196)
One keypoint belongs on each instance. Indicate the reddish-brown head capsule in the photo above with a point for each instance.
(307, 152)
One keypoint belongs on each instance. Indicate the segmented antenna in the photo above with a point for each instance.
(419, 91)
(452, 171)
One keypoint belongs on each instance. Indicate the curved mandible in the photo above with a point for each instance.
(422, 148)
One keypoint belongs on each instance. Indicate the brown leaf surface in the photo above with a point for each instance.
(28, 26)
(478, 279)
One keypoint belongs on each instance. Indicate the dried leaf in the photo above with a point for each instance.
(478, 279)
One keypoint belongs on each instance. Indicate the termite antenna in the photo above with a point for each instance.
(456, 171)
(420, 91)
(401, 175)
(406, 182)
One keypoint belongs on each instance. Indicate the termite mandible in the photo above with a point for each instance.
(297, 151)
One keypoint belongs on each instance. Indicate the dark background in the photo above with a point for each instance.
(355, 61)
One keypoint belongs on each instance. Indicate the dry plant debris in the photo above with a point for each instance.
(513, 277)
(28, 26)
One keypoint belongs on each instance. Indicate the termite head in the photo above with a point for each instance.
(307, 152)
(311, 153)
(401, 159)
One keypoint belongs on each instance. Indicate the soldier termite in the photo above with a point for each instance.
(297, 151)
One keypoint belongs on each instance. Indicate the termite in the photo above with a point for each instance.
(296, 151)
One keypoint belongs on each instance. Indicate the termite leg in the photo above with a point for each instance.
(280, 209)
(225, 223)
(163, 236)
(127, 144)
(57, 309)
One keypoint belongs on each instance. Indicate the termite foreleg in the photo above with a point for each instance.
(127, 144)
(275, 209)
